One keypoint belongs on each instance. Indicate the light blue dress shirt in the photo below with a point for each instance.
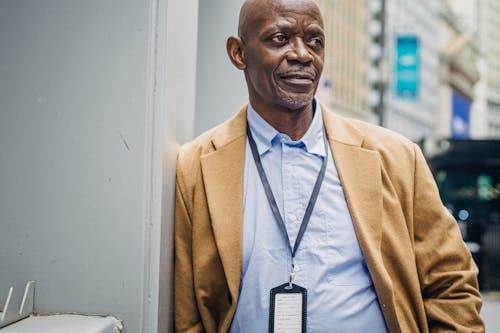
(329, 263)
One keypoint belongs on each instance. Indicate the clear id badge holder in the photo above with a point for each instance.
(288, 309)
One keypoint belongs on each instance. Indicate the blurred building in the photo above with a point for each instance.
(476, 44)
(370, 71)
(410, 67)
(345, 83)
(488, 106)
(424, 69)
(459, 59)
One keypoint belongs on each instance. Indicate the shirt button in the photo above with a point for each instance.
(296, 268)
(292, 217)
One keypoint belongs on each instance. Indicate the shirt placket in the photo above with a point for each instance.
(292, 204)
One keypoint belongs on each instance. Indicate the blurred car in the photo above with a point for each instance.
(467, 173)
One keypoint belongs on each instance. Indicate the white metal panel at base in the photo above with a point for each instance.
(65, 323)
(10, 313)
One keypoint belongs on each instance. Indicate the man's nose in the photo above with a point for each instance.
(300, 52)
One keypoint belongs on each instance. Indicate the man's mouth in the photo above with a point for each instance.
(297, 78)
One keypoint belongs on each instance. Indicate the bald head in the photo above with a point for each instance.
(252, 11)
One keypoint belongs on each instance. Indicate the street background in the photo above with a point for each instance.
(491, 311)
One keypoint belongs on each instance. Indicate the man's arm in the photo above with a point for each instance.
(447, 272)
(187, 317)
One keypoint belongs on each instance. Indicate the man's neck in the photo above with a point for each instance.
(293, 123)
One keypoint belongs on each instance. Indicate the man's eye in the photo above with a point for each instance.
(278, 38)
(318, 42)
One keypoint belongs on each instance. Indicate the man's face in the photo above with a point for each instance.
(283, 50)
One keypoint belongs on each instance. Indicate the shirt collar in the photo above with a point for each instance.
(264, 134)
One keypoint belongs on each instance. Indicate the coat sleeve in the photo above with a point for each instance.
(447, 272)
(187, 317)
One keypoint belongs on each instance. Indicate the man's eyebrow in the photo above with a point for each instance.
(313, 29)
(281, 24)
(315, 26)
(274, 28)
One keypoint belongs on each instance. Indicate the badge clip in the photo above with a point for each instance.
(292, 276)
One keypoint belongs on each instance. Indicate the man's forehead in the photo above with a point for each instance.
(258, 13)
(269, 8)
(284, 3)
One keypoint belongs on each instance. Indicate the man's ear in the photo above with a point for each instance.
(234, 46)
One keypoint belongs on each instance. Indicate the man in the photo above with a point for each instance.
(290, 218)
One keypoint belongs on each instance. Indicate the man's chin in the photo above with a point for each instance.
(299, 102)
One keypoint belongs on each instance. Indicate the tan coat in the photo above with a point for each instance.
(423, 274)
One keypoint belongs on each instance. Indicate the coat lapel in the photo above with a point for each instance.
(223, 171)
(360, 172)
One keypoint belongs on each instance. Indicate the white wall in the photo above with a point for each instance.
(220, 87)
(88, 140)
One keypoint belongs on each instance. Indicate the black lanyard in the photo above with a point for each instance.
(272, 201)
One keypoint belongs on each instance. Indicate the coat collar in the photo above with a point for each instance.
(223, 171)
(360, 173)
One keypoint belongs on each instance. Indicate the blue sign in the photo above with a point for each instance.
(460, 116)
(407, 67)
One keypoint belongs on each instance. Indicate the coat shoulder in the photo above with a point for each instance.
(190, 154)
(387, 143)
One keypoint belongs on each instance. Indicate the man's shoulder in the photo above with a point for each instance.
(380, 137)
(371, 137)
(200, 145)
(214, 138)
